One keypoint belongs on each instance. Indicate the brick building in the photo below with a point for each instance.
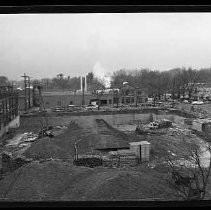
(132, 96)
(64, 98)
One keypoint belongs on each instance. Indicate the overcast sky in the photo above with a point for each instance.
(43, 45)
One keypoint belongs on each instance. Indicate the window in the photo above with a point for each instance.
(139, 92)
(110, 101)
(71, 102)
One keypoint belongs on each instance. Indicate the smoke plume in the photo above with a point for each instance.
(102, 74)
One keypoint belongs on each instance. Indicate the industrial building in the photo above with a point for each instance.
(126, 95)
(9, 117)
(109, 98)
(65, 98)
(131, 95)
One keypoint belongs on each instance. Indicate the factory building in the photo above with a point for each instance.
(126, 95)
(65, 98)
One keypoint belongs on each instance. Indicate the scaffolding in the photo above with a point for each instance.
(8, 105)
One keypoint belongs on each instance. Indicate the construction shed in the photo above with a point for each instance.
(202, 125)
(141, 149)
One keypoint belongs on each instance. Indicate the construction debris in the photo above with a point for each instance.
(178, 131)
(120, 158)
(46, 131)
(88, 161)
(20, 143)
(144, 129)
(164, 123)
(22, 138)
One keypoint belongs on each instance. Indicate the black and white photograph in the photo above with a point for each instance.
(105, 106)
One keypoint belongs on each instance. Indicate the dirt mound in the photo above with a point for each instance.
(46, 148)
(40, 181)
(73, 134)
(115, 184)
(106, 128)
(59, 180)
(110, 137)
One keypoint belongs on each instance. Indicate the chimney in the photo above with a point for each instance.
(81, 84)
(85, 84)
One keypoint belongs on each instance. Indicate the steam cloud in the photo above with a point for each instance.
(102, 74)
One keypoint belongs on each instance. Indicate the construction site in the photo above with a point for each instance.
(99, 105)
(102, 154)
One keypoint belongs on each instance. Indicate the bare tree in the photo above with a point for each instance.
(4, 81)
(190, 178)
(193, 78)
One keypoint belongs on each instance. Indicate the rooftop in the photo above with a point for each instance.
(139, 143)
(52, 93)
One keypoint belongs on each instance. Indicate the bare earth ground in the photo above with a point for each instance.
(59, 179)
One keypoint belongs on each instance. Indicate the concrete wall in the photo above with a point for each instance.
(15, 123)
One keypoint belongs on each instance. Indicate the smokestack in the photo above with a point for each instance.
(85, 84)
(81, 84)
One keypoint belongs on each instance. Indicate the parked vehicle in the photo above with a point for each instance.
(197, 102)
(91, 107)
(186, 101)
(57, 109)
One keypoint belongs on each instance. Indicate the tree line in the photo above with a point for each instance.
(71, 83)
(178, 81)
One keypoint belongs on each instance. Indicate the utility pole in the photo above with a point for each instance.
(136, 97)
(24, 76)
(29, 84)
(83, 86)
(74, 97)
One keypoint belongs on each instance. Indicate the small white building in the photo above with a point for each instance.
(202, 125)
(141, 149)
